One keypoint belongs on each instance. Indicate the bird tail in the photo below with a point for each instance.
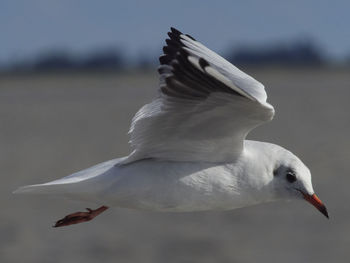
(75, 184)
(47, 188)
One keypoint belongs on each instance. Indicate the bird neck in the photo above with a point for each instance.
(257, 172)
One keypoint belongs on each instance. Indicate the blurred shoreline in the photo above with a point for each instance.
(300, 53)
(153, 70)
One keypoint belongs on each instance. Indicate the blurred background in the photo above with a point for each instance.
(73, 74)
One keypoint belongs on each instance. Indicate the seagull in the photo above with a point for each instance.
(189, 148)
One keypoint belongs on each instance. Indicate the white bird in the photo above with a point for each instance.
(189, 151)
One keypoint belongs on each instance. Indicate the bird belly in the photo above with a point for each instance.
(173, 186)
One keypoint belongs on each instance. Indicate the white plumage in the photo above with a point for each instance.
(189, 151)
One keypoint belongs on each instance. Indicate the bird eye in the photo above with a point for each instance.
(291, 177)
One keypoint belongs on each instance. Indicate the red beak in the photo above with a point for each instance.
(316, 202)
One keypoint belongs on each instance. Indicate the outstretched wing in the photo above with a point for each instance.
(204, 110)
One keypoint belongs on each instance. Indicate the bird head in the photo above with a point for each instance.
(292, 179)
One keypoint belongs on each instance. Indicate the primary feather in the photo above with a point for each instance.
(205, 105)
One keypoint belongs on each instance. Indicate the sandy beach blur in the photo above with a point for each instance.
(55, 124)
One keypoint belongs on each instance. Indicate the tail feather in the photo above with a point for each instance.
(71, 184)
(42, 189)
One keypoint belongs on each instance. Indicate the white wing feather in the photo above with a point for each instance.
(205, 108)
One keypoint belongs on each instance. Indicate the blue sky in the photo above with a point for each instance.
(32, 27)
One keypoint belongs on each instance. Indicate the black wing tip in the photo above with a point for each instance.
(168, 41)
(183, 52)
(173, 47)
(164, 59)
(173, 36)
(176, 33)
(169, 50)
(190, 37)
(203, 63)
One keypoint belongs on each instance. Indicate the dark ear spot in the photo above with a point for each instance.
(278, 170)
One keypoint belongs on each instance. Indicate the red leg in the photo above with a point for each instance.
(80, 217)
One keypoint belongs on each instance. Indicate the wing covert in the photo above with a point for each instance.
(204, 110)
